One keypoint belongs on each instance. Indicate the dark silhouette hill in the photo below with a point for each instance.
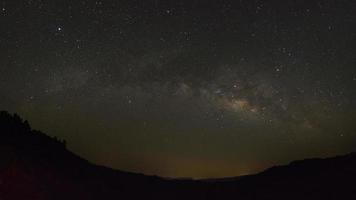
(36, 166)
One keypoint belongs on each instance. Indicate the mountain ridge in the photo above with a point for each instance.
(41, 167)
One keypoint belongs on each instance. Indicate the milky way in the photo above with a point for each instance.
(184, 88)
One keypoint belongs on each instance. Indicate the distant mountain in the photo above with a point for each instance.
(36, 166)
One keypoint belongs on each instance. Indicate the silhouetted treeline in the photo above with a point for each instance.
(16, 131)
(34, 166)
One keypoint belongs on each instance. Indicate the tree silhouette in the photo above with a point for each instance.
(15, 130)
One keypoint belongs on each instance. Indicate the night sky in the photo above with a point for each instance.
(184, 88)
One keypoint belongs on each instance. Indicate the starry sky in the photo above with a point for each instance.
(184, 88)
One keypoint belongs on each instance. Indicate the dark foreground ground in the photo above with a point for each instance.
(35, 166)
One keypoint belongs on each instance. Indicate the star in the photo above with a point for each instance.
(134, 73)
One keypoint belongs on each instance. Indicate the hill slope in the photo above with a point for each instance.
(36, 166)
